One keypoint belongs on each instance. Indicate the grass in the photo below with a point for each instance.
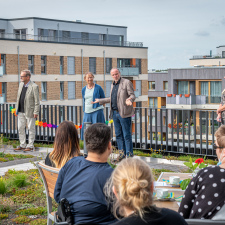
(10, 157)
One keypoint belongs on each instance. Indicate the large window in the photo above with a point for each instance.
(61, 65)
(20, 33)
(44, 91)
(183, 87)
(71, 90)
(71, 65)
(3, 63)
(212, 90)
(138, 87)
(92, 65)
(165, 85)
(108, 65)
(4, 91)
(31, 63)
(43, 64)
(61, 90)
(151, 85)
(2, 33)
(153, 103)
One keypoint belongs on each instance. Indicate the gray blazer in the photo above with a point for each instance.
(31, 101)
(126, 90)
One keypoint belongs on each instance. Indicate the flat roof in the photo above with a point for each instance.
(65, 21)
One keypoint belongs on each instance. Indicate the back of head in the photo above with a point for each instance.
(220, 136)
(132, 180)
(66, 144)
(97, 137)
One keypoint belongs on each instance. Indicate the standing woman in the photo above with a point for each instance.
(92, 112)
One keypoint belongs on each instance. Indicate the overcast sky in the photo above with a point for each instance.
(173, 30)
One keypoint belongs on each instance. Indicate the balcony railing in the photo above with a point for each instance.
(129, 71)
(69, 40)
(193, 100)
(165, 130)
(206, 56)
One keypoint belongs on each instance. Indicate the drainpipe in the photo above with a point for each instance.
(104, 69)
(82, 66)
(18, 49)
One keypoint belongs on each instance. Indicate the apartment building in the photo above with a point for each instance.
(59, 53)
(189, 90)
(209, 60)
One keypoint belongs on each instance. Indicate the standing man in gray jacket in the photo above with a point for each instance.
(27, 109)
(121, 109)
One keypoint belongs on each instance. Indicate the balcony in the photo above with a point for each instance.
(206, 57)
(129, 71)
(192, 100)
(30, 37)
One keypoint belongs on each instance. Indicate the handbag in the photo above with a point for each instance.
(64, 213)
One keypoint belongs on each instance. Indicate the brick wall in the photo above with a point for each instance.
(85, 65)
(53, 65)
(114, 62)
(99, 65)
(65, 64)
(53, 90)
(65, 90)
(39, 86)
(11, 64)
(12, 89)
(144, 87)
(37, 64)
(23, 62)
(78, 69)
(78, 89)
(144, 66)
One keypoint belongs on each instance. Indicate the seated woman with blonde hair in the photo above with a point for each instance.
(66, 145)
(132, 185)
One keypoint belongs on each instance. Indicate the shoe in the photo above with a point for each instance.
(118, 159)
(19, 148)
(28, 149)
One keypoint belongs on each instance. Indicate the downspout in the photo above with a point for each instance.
(82, 67)
(18, 49)
(104, 70)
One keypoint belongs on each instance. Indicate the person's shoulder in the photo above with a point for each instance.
(98, 86)
(171, 215)
(209, 170)
(34, 84)
(84, 88)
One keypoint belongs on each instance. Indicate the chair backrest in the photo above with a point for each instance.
(203, 222)
(49, 176)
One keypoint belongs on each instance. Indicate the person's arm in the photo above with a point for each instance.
(36, 101)
(130, 91)
(101, 101)
(189, 195)
(58, 186)
(221, 108)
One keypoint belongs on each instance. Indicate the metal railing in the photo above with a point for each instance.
(206, 56)
(161, 130)
(69, 40)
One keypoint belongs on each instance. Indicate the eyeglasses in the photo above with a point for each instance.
(215, 146)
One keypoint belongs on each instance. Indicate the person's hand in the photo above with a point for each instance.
(96, 101)
(35, 116)
(128, 101)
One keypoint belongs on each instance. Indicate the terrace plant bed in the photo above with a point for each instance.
(23, 200)
(6, 157)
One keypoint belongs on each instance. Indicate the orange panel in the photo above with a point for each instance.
(133, 62)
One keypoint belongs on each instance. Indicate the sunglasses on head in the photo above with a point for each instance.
(215, 146)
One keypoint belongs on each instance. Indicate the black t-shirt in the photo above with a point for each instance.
(154, 217)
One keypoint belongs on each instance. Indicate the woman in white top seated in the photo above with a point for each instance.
(92, 112)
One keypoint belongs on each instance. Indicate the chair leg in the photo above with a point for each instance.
(49, 221)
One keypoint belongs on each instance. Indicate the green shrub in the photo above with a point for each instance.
(81, 144)
(3, 160)
(32, 211)
(2, 186)
(21, 220)
(5, 209)
(20, 180)
(39, 222)
(3, 216)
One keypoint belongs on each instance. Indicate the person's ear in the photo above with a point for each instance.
(109, 146)
(114, 191)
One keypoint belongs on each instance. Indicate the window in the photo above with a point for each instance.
(61, 90)
(61, 65)
(4, 91)
(165, 85)
(121, 38)
(183, 87)
(31, 63)
(85, 37)
(92, 65)
(71, 90)
(44, 91)
(3, 63)
(223, 54)
(65, 35)
(43, 64)
(151, 85)
(153, 103)
(138, 87)
(52, 35)
(20, 33)
(108, 65)
(138, 65)
(71, 65)
(2, 33)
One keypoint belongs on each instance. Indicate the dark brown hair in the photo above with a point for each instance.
(220, 136)
(66, 144)
(97, 138)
